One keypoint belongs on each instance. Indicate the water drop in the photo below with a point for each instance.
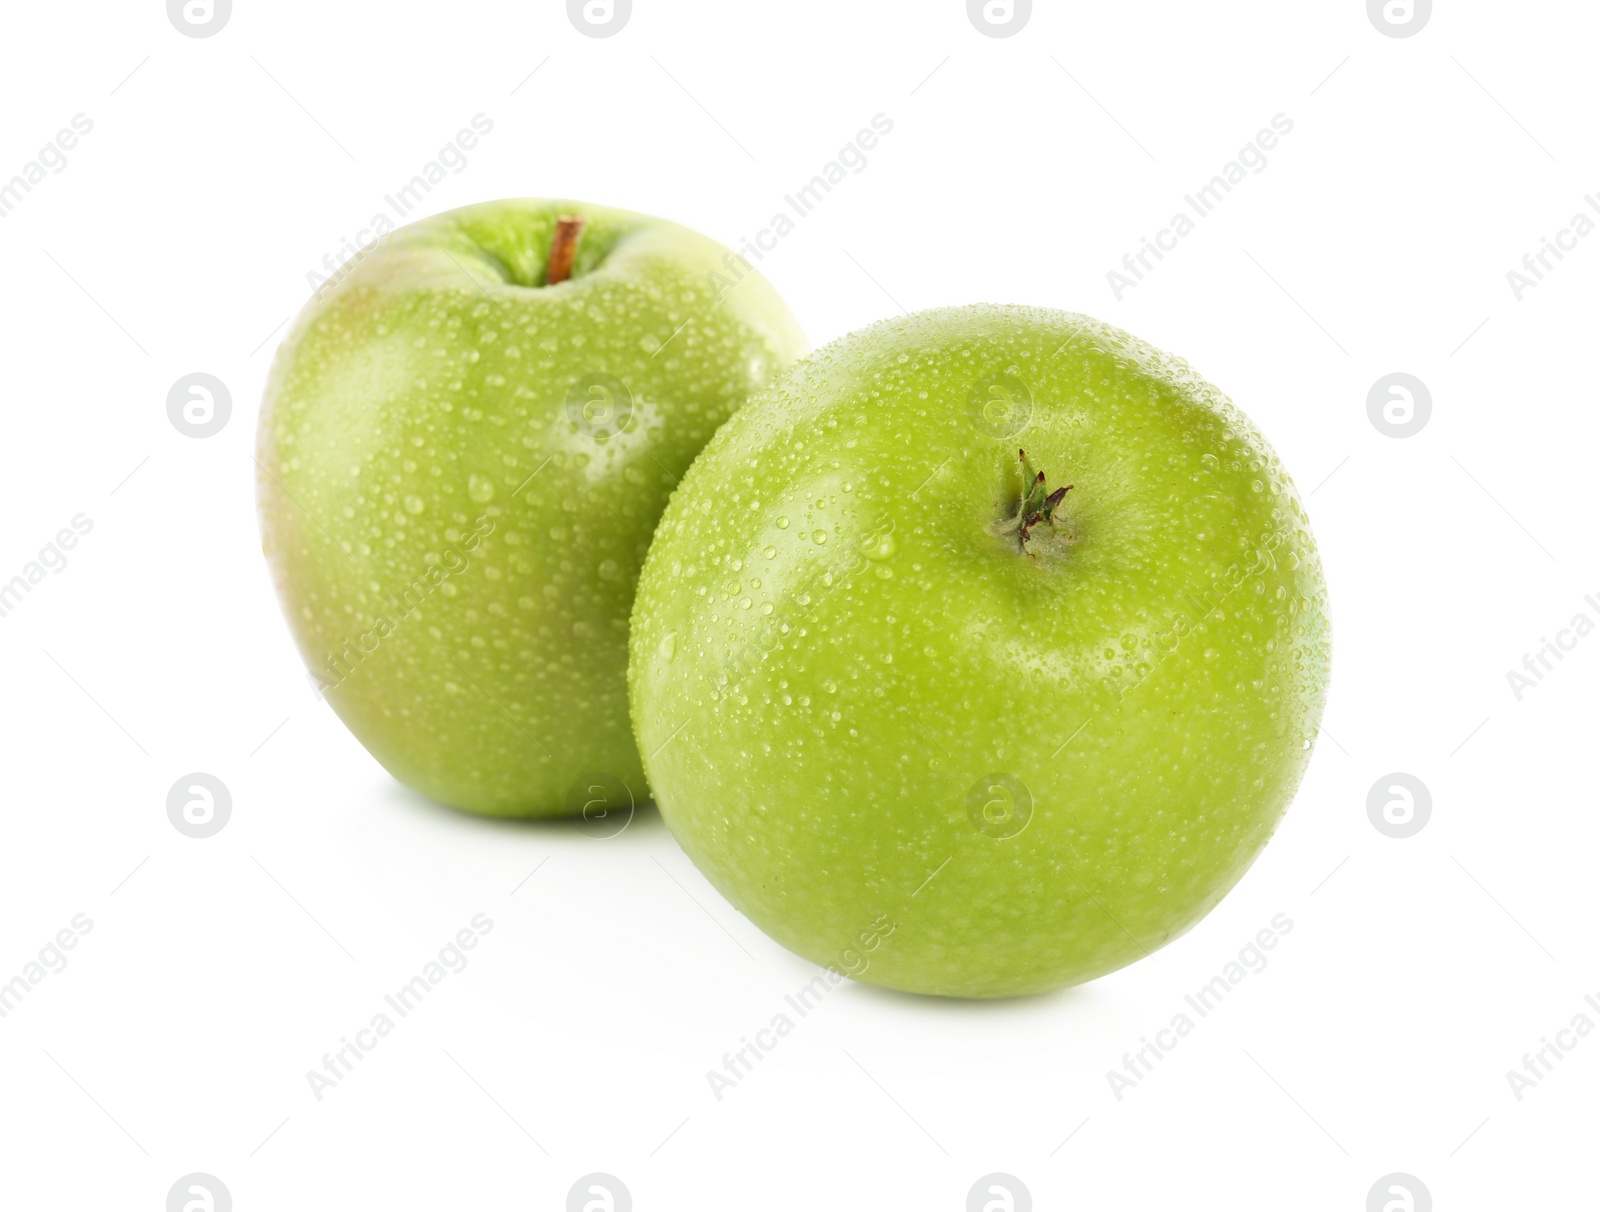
(878, 546)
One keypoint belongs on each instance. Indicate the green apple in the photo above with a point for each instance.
(961, 720)
(465, 445)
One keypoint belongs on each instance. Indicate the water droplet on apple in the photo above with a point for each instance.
(669, 646)
(783, 523)
(414, 504)
(480, 489)
(877, 546)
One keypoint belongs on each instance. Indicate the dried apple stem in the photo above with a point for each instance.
(562, 248)
(1034, 527)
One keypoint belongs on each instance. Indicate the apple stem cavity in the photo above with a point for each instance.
(1032, 526)
(563, 246)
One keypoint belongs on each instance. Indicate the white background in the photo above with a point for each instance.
(1020, 169)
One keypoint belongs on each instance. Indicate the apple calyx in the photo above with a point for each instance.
(1033, 526)
(563, 246)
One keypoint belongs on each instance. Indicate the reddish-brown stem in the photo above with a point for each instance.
(562, 248)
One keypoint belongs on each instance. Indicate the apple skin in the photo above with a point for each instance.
(912, 752)
(456, 547)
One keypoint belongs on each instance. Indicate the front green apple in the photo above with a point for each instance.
(462, 458)
(959, 720)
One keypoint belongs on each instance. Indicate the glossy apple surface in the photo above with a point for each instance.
(954, 733)
(460, 470)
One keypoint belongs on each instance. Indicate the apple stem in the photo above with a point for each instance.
(1037, 508)
(562, 247)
